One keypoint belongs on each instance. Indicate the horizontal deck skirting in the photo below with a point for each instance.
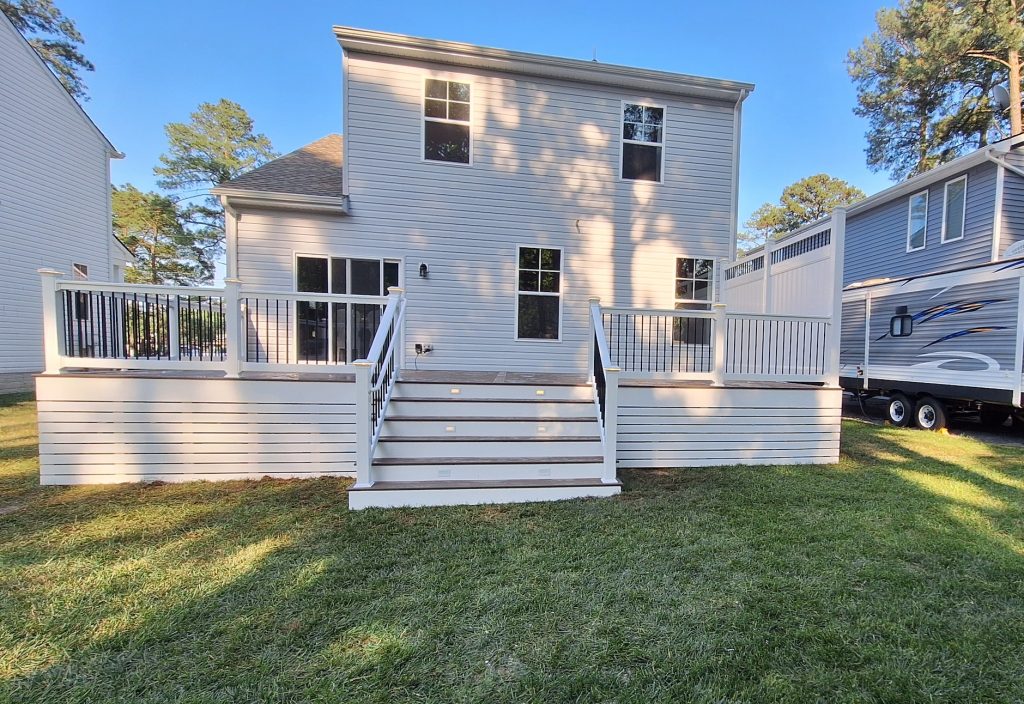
(97, 429)
(700, 427)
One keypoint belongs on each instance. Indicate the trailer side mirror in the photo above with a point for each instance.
(901, 324)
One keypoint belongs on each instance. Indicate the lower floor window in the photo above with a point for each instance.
(694, 286)
(340, 332)
(539, 293)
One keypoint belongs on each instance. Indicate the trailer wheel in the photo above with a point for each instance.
(993, 415)
(930, 414)
(900, 410)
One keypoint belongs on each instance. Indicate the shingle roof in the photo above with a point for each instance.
(313, 170)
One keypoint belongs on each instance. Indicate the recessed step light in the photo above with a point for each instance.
(456, 391)
(449, 429)
(540, 392)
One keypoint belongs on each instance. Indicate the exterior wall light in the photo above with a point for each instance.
(423, 271)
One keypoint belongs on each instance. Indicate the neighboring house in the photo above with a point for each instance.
(54, 200)
(502, 190)
(501, 284)
(933, 311)
(965, 212)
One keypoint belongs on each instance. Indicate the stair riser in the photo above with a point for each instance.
(489, 428)
(423, 473)
(456, 497)
(496, 450)
(468, 409)
(407, 389)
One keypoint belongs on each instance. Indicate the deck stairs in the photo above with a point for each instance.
(486, 438)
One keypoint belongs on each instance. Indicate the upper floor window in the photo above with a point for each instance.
(954, 209)
(643, 139)
(446, 131)
(918, 221)
(80, 272)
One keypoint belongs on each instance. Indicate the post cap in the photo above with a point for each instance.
(718, 306)
(395, 289)
(594, 299)
(232, 281)
(49, 272)
(362, 363)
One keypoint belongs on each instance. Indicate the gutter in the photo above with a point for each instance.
(990, 156)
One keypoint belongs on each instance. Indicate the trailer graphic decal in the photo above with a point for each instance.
(990, 364)
(944, 309)
(964, 333)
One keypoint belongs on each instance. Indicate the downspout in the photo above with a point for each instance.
(997, 222)
(230, 239)
(734, 216)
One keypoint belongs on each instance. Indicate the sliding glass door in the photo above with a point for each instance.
(340, 332)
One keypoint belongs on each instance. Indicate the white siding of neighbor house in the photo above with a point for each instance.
(54, 198)
(545, 173)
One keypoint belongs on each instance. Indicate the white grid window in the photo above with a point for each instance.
(446, 128)
(539, 293)
(643, 139)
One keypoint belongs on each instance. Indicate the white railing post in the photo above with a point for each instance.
(591, 303)
(52, 320)
(718, 368)
(173, 328)
(835, 325)
(364, 429)
(609, 474)
(400, 293)
(233, 352)
(766, 305)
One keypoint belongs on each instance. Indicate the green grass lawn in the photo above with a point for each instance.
(897, 575)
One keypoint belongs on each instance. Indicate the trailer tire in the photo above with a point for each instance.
(900, 411)
(930, 414)
(993, 415)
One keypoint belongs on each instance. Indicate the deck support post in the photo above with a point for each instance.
(233, 352)
(609, 474)
(835, 325)
(718, 363)
(364, 428)
(52, 319)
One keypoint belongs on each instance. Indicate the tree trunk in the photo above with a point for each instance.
(1015, 111)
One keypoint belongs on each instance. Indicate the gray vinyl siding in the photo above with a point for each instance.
(54, 196)
(876, 238)
(545, 172)
(1013, 202)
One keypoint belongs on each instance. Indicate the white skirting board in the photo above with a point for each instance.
(704, 427)
(98, 430)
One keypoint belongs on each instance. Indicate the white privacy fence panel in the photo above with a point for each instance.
(792, 276)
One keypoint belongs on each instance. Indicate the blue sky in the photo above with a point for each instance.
(155, 61)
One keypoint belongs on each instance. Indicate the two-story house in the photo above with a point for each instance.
(502, 279)
(54, 201)
(501, 190)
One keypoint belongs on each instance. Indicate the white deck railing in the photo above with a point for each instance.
(716, 345)
(92, 325)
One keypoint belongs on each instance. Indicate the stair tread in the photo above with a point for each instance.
(507, 382)
(484, 484)
(497, 419)
(488, 438)
(399, 461)
(463, 399)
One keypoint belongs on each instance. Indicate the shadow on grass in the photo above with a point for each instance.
(862, 581)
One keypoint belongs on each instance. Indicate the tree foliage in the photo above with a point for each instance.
(150, 226)
(54, 36)
(805, 201)
(216, 145)
(924, 80)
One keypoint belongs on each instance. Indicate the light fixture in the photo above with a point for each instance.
(423, 271)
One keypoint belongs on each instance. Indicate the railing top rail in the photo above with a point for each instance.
(313, 297)
(662, 311)
(395, 341)
(377, 347)
(604, 353)
(99, 286)
(772, 316)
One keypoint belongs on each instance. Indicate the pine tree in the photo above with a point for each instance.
(54, 37)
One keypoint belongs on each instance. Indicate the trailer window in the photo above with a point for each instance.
(901, 324)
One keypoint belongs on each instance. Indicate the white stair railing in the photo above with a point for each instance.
(605, 380)
(375, 381)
